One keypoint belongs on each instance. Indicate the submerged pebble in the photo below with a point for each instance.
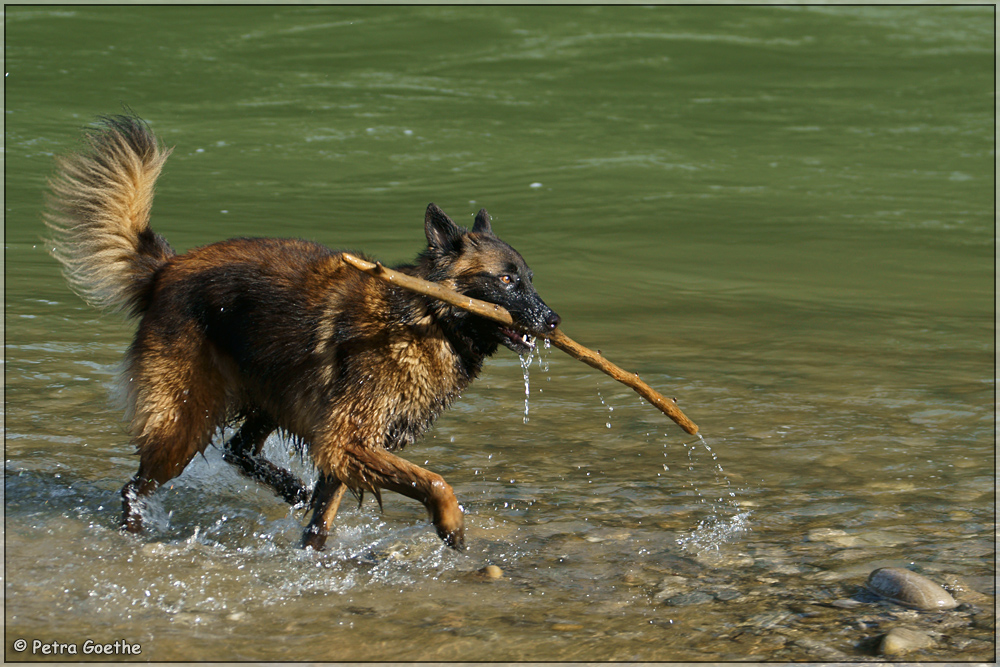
(768, 620)
(685, 599)
(824, 534)
(714, 558)
(845, 603)
(491, 572)
(903, 640)
(565, 627)
(909, 589)
(727, 594)
(841, 538)
(821, 650)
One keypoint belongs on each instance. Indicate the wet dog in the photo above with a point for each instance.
(280, 334)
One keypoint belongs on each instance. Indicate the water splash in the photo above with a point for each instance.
(727, 521)
(714, 531)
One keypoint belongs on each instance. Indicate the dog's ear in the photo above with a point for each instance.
(441, 232)
(482, 223)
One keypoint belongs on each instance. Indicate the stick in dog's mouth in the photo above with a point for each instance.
(556, 337)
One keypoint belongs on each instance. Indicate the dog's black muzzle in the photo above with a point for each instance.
(537, 320)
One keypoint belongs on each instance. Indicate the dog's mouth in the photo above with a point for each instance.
(517, 341)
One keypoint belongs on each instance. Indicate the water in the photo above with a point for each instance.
(783, 217)
(543, 364)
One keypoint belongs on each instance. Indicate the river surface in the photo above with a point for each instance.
(783, 217)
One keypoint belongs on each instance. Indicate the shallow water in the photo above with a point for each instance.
(783, 217)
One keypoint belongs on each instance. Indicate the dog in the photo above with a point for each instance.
(273, 334)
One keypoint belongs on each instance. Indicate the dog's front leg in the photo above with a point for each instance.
(374, 467)
(325, 502)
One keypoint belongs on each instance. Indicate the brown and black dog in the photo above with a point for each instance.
(280, 334)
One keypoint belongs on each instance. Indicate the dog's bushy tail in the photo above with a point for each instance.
(98, 212)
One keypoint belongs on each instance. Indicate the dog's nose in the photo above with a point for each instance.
(552, 320)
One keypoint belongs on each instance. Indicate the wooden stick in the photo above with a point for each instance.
(499, 314)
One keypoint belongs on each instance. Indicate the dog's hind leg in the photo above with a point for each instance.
(244, 451)
(325, 502)
(167, 443)
(177, 400)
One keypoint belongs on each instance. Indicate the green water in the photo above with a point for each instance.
(784, 217)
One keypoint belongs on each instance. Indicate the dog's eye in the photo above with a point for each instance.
(506, 280)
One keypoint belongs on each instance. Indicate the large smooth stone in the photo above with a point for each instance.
(909, 589)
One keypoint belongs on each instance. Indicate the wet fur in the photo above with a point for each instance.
(279, 334)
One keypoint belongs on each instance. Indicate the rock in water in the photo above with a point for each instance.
(685, 599)
(909, 589)
(491, 572)
(903, 640)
